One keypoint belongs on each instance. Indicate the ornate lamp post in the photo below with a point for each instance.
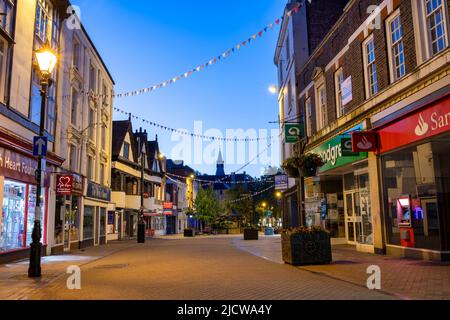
(46, 60)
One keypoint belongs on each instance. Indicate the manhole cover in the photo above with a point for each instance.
(112, 266)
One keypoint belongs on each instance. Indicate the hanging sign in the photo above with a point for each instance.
(293, 132)
(364, 141)
(281, 182)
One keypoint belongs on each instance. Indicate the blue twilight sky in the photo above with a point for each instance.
(146, 42)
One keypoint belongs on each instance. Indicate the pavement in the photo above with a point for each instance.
(406, 279)
(219, 268)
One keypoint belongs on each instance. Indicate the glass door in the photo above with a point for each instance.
(67, 227)
(349, 217)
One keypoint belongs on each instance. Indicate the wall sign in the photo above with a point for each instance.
(99, 192)
(428, 122)
(281, 182)
(18, 167)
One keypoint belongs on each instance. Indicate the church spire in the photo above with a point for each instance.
(220, 172)
(220, 159)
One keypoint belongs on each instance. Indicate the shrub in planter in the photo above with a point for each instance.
(251, 233)
(189, 233)
(306, 246)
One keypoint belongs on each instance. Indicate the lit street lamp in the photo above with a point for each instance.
(273, 89)
(46, 60)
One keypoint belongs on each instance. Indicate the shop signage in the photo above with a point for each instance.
(281, 182)
(347, 147)
(18, 167)
(420, 125)
(365, 141)
(293, 132)
(99, 192)
(64, 185)
(331, 153)
(69, 184)
(346, 87)
(168, 208)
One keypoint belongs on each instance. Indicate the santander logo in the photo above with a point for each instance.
(422, 127)
(364, 144)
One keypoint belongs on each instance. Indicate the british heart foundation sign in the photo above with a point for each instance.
(64, 185)
(420, 125)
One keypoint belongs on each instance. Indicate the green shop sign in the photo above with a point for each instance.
(335, 156)
(293, 132)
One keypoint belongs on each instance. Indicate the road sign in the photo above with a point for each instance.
(40, 146)
(293, 132)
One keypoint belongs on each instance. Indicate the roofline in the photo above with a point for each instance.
(98, 54)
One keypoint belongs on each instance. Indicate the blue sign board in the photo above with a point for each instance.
(40, 146)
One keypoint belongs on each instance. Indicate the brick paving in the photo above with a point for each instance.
(204, 268)
(404, 278)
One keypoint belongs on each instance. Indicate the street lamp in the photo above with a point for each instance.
(46, 60)
(273, 89)
(279, 195)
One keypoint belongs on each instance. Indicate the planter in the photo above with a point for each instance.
(251, 234)
(308, 172)
(292, 172)
(189, 233)
(306, 249)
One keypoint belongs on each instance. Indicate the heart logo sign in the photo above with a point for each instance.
(422, 127)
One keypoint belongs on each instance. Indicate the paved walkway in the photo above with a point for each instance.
(405, 278)
(203, 268)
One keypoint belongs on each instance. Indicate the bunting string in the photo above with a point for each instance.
(187, 74)
(193, 135)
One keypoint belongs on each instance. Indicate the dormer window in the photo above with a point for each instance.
(126, 150)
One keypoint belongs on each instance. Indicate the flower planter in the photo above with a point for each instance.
(292, 172)
(309, 172)
(189, 233)
(251, 234)
(306, 249)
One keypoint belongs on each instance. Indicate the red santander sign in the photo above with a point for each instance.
(364, 141)
(420, 125)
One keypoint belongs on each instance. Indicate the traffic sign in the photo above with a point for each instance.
(40, 146)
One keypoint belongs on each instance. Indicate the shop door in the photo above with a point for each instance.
(97, 226)
(353, 219)
(67, 227)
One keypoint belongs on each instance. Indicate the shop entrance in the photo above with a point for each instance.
(358, 217)
(71, 221)
(352, 216)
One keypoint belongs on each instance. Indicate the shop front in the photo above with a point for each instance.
(69, 194)
(96, 203)
(414, 151)
(18, 189)
(338, 197)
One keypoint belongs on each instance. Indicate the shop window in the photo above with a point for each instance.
(32, 190)
(17, 220)
(59, 220)
(411, 197)
(88, 222)
(13, 216)
(102, 222)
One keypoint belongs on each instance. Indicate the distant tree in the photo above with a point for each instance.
(242, 203)
(207, 208)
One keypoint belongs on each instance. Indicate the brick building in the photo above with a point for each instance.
(382, 70)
